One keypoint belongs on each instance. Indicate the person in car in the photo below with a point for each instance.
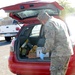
(57, 42)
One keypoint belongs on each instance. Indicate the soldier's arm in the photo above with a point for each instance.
(50, 37)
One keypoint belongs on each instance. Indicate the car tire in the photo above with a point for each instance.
(8, 39)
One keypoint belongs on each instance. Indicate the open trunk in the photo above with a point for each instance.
(33, 38)
(31, 35)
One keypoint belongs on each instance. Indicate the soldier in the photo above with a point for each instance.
(57, 41)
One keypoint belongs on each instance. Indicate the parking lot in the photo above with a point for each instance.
(4, 54)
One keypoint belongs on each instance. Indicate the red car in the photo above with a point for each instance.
(30, 35)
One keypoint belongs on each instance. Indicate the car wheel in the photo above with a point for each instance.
(8, 39)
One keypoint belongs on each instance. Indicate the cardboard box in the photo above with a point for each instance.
(32, 55)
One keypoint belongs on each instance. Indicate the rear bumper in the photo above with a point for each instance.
(8, 34)
(35, 68)
(29, 68)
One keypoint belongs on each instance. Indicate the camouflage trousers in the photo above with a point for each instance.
(59, 65)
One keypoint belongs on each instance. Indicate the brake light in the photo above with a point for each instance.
(12, 45)
(17, 28)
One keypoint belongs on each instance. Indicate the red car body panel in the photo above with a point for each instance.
(33, 68)
(17, 7)
(27, 5)
(37, 68)
(29, 68)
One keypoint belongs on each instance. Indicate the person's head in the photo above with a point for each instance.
(43, 17)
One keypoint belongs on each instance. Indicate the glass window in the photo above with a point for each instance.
(36, 30)
(34, 12)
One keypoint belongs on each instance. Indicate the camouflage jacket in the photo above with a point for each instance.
(57, 38)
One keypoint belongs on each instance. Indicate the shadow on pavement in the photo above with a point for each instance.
(2, 43)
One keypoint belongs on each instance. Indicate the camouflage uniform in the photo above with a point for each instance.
(58, 42)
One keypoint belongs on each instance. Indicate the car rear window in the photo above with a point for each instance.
(34, 13)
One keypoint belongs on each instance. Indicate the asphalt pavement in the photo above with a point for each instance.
(4, 54)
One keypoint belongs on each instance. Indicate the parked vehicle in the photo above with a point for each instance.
(9, 30)
(25, 48)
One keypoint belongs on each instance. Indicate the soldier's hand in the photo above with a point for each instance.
(42, 56)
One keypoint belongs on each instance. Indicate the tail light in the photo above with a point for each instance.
(17, 28)
(12, 45)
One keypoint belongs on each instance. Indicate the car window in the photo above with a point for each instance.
(36, 30)
(34, 12)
